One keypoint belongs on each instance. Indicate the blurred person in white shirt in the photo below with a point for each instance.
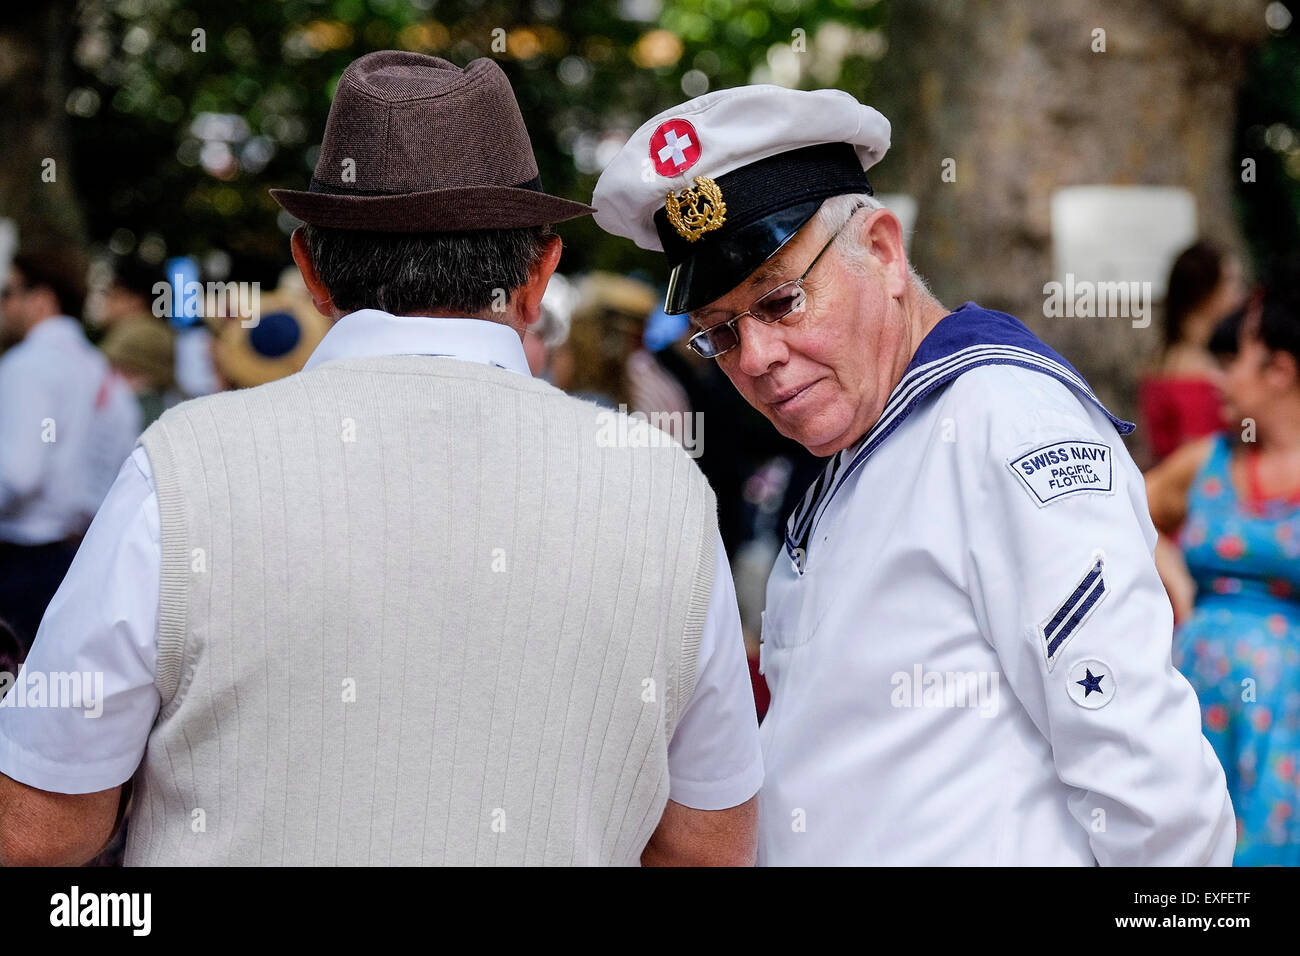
(67, 422)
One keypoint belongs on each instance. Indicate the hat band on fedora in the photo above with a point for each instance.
(317, 186)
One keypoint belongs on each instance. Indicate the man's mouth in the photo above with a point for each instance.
(790, 398)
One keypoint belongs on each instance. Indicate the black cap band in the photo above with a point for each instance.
(767, 202)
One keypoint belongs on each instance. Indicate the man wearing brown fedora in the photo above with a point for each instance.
(404, 606)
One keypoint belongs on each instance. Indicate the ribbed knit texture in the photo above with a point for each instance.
(516, 608)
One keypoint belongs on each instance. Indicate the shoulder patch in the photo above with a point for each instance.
(1050, 472)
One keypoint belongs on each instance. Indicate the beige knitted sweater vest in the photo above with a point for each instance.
(417, 610)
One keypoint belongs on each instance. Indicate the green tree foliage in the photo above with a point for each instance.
(1268, 132)
(183, 114)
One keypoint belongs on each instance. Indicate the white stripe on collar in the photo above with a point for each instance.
(369, 333)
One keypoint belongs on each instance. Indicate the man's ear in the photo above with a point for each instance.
(320, 296)
(528, 297)
(881, 235)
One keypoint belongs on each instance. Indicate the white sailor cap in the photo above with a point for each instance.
(722, 182)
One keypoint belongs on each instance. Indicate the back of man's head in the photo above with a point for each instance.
(138, 279)
(471, 273)
(59, 268)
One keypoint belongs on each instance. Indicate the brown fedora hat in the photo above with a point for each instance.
(413, 143)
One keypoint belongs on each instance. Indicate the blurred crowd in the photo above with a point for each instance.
(95, 367)
(1219, 433)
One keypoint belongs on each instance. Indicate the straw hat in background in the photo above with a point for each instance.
(287, 331)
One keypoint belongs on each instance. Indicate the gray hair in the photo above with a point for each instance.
(835, 212)
(423, 272)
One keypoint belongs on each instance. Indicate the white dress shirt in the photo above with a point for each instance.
(66, 423)
(104, 618)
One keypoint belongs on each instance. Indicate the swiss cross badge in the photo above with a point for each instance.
(674, 147)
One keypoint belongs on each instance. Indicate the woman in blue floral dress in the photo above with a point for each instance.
(1238, 504)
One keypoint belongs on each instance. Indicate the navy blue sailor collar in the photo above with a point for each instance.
(962, 340)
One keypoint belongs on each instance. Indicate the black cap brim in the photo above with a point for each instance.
(726, 263)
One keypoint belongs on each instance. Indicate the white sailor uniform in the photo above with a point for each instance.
(969, 647)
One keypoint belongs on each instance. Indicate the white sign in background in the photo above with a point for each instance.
(1121, 233)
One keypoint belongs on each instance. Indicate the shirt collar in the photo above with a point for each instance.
(368, 333)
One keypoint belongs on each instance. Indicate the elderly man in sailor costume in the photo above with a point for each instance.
(966, 639)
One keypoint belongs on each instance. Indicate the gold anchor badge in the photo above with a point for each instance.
(689, 218)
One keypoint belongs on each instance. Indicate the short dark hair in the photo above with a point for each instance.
(423, 272)
(1224, 339)
(1279, 318)
(59, 268)
(138, 278)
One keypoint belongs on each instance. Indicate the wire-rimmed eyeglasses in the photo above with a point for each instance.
(771, 307)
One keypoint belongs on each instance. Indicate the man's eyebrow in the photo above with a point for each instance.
(763, 275)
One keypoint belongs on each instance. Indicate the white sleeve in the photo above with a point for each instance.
(1059, 553)
(78, 716)
(714, 759)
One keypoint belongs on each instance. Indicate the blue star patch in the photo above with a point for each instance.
(1091, 683)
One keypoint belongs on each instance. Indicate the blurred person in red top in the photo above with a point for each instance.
(1178, 398)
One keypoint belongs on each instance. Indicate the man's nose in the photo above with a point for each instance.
(761, 345)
